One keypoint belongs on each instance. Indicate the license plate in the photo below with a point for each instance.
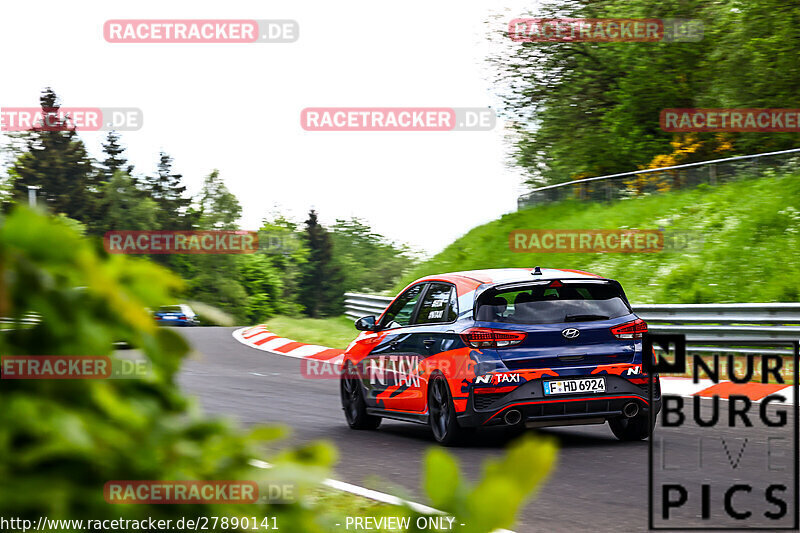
(575, 386)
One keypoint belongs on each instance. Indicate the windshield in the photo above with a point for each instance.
(548, 304)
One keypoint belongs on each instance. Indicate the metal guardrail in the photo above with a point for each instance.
(655, 180)
(731, 325)
(358, 305)
(27, 319)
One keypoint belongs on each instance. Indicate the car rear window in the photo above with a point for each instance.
(170, 309)
(543, 304)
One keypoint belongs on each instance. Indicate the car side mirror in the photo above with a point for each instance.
(366, 323)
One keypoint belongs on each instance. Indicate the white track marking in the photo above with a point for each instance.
(373, 495)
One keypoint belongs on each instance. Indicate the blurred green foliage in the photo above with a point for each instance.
(494, 501)
(62, 440)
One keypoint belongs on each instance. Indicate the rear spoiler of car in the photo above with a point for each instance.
(488, 288)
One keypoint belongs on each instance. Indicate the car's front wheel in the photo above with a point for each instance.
(353, 403)
(636, 428)
(442, 413)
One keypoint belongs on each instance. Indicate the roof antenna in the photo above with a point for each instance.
(537, 271)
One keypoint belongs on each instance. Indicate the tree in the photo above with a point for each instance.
(55, 159)
(6, 184)
(217, 283)
(114, 160)
(264, 287)
(321, 288)
(281, 239)
(166, 189)
(586, 108)
(217, 207)
(124, 207)
(368, 260)
(761, 38)
(216, 278)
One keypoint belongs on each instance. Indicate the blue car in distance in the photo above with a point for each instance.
(176, 315)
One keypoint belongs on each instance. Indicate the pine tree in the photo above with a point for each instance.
(114, 159)
(55, 159)
(166, 189)
(113, 163)
(321, 288)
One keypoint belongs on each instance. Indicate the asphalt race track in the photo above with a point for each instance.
(600, 484)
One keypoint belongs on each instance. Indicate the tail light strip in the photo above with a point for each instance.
(630, 330)
(492, 338)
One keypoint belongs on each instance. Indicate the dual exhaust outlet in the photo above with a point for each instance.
(630, 410)
(514, 416)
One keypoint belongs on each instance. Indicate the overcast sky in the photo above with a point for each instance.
(236, 107)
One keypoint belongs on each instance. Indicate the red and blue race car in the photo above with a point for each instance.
(534, 347)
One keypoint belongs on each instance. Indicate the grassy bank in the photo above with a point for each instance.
(746, 235)
(335, 332)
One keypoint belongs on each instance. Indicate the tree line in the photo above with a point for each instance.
(299, 267)
(584, 109)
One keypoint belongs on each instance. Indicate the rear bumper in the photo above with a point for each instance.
(540, 410)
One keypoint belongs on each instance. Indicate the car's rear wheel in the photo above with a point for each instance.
(442, 413)
(353, 403)
(635, 428)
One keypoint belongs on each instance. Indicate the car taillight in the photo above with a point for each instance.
(491, 338)
(182, 317)
(630, 330)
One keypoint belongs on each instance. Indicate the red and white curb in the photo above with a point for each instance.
(260, 338)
